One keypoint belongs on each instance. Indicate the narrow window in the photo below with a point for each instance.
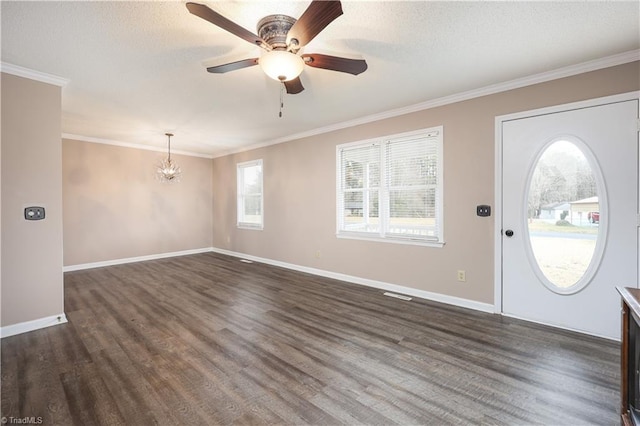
(250, 200)
(391, 189)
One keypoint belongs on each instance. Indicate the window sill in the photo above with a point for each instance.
(409, 242)
(250, 226)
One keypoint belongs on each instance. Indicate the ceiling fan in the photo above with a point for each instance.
(282, 37)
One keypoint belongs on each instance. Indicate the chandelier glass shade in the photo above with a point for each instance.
(281, 65)
(168, 171)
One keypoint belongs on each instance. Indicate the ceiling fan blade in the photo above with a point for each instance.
(232, 66)
(294, 86)
(215, 18)
(335, 63)
(318, 15)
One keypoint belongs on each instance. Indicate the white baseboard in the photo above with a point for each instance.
(437, 297)
(442, 298)
(23, 327)
(92, 265)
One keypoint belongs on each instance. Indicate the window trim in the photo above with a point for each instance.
(438, 241)
(240, 194)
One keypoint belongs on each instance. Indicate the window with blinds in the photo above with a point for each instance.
(391, 188)
(250, 203)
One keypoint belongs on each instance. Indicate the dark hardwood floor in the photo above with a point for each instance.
(207, 339)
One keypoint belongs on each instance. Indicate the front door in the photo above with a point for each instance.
(570, 215)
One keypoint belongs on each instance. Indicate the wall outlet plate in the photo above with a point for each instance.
(34, 213)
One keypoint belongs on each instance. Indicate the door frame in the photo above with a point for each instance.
(499, 120)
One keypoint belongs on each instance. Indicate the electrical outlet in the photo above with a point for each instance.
(318, 254)
(462, 276)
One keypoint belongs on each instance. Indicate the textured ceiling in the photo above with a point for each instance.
(137, 69)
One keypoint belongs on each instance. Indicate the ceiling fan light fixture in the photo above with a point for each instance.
(281, 65)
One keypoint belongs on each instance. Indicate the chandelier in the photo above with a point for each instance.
(168, 171)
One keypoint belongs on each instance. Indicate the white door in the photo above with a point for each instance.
(570, 216)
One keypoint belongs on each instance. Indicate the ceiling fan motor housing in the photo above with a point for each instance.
(274, 29)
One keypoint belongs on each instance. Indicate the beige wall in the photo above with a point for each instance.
(299, 182)
(114, 208)
(32, 281)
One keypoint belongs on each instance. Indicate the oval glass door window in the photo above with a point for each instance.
(564, 216)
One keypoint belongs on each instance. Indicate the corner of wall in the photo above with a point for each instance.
(31, 280)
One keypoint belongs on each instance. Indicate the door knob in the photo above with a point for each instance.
(508, 233)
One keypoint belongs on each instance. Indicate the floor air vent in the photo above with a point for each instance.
(397, 296)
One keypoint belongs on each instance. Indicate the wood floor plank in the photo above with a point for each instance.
(89, 400)
(137, 400)
(39, 392)
(209, 340)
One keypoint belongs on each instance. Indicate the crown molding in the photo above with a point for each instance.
(571, 70)
(131, 145)
(42, 77)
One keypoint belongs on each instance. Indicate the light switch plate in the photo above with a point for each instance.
(483, 210)
(34, 213)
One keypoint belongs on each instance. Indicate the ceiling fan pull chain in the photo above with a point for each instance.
(281, 99)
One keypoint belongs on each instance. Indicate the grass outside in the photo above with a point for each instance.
(412, 221)
(401, 225)
(562, 260)
(537, 225)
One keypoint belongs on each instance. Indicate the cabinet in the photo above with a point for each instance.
(630, 356)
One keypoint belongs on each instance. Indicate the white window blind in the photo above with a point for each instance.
(392, 188)
(360, 171)
(250, 200)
